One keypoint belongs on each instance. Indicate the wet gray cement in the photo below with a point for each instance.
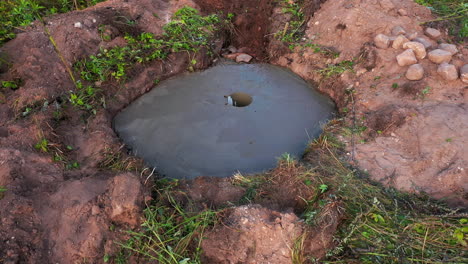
(185, 127)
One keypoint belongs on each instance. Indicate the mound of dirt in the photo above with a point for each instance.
(254, 234)
(417, 129)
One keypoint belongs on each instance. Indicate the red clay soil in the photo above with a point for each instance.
(51, 214)
(415, 141)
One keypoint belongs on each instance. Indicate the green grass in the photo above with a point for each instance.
(188, 32)
(383, 225)
(15, 14)
(169, 234)
(293, 30)
(2, 192)
(453, 12)
(336, 69)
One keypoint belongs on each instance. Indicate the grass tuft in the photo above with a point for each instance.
(168, 234)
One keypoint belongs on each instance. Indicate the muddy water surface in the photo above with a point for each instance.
(229, 118)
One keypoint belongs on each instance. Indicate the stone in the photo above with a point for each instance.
(449, 47)
(387, 5)
(412, 36)
(244, 58)
(447, 71)
(402, 12)
(432, 33)
(382, 41)
(426, 43)
(126, 196)
(398, 30)
(406, 58)
(464, 73)
(417, 47)
(399, 41)
(439, 56)
(415, 72)
(232, 49)
(77, 25)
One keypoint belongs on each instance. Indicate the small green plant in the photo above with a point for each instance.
(395, 85)
(72, 165)
(337, 69)
(42, 145)
(287, 159)
(293, 30)
(323, 188)
(2, 191)
(84, 97)
(425, 92)
(448, 140)
(10, 84)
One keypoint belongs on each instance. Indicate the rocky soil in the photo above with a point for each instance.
(408, 87)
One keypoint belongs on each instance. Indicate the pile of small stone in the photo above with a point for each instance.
(416, 50)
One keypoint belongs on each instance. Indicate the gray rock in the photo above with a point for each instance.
(432, 33)
(449, 47)
(464, 73)
(399, 41)
(382, 41)
(398, 30)
(415, 72)
(244, 58)
(447, 71)
(427, 43)
(417, 47)
(439, 56)
(406, 58)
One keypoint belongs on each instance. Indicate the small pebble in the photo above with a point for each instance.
(417, 47)
(402, 12)
(427, 43)
(382, 41)
(439, 56)
(464, 73)
(447, 71)
(399, 41)
(398, 30)
(412, 35)
(244, 58)
(78, 25)
(387, 5)
(415, 72)
(449, 47)
(433, 33)
(406, 58)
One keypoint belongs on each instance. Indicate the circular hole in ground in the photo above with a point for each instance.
(239, 99)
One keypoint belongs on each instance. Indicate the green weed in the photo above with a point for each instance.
(452, 12)
(169, 234)
(2, 192)
(293, 30)
(13, 85)
(84, 98)
(336, 69)
(42, 145)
